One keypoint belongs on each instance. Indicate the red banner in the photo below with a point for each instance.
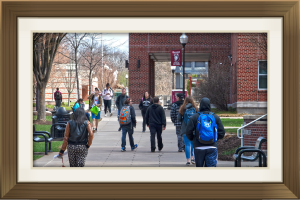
(176, 56)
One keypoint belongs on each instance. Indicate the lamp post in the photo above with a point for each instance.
(183, 41)
(173, 70)
(126, 76)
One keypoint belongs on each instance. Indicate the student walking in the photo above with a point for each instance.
(120, 102)
(95, 100)
(143, 106)
(177, 123)
(58, 98)
(128, 122)
(156, 121)
(107, 94)
(78, 137)
(208, 129)
(187, 110)
(80, 104)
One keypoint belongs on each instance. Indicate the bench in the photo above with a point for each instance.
(46, 139)
(257, 153)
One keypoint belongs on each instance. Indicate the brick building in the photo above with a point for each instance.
(248, 88)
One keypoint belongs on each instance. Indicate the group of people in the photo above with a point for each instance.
(197, 130)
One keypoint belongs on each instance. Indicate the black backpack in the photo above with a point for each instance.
(57, 96)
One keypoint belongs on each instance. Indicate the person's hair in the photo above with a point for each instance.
(78, 101)
(155, 100)
(144, 97)
(79, 116)
(57, 88)
(107, 84)
(124, 89)
(187, 100)
(97, 89)
(127, 101)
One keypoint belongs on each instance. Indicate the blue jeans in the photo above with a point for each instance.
(207, 156)
(189, 148)
(96, 117)
(124, 132)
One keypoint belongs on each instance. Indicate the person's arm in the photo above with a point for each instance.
(221, 130)
(99, 101)
(179, 117)
(132, 113)
(141, 105)
(66, 138)
(163, 114)
(111, 93)
(190, 128)
(117, 101)
(91, 134)
(90, 96)
(173, 113)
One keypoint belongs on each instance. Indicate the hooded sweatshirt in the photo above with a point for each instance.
(155, 116)
(192, 125)
(181, 119)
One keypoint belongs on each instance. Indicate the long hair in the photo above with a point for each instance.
(79, 116)
(187, 100)
(144, 97)
(78, 101)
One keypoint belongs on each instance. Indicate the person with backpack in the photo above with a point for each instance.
(78, 137)
(80, 104)
(187, 110)
(177, 123)
(120, 102)
(107, 94)
(58, 98)
(128, 122)
(143, 106)
(156, 121)
(208, 130)
(95, 100)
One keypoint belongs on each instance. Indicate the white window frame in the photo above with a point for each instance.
(262, 75)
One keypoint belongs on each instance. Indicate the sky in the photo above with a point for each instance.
(120, 37)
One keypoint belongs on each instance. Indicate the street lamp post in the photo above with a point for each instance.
(183, 41)
(126, 76)
(173, 70)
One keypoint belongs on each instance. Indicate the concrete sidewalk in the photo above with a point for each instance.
(106, 149)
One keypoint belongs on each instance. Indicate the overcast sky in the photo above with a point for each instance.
(120, 37)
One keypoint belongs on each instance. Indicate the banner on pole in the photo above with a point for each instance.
(176, 58)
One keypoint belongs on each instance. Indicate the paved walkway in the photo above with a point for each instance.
(106, 149)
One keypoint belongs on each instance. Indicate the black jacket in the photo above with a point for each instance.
(133, 119)
(155, 115)
(144, 104)
(192, 125)
(78, 133)
(120, 101)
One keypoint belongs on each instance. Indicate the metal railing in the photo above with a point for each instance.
(242, 129)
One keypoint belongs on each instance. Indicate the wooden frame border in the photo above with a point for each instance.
(11, 10)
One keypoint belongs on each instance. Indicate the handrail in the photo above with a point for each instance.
(242, 135)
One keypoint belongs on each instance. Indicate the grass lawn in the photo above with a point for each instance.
(40, 146)
(232, 122)
(48, 118)
(230, 130)
(35, 157)
(42, 127)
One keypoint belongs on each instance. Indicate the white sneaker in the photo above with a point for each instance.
(105, 115)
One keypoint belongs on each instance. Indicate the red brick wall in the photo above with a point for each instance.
(257, 130)
(248, 55)
(141, 44)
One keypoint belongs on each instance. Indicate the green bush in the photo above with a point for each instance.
(34, 104)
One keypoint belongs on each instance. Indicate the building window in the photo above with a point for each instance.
(188, 66)
(200, 67)
(262, 74)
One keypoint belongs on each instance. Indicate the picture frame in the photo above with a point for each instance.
(11, 10)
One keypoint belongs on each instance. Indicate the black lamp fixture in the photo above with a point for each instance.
(138, 63)
(183, 41)
(126, 63)
(230, 57)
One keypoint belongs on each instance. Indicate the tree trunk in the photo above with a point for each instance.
(37, 98)
(90, 83)
(41, 114)
(78, 95)
(69, 96)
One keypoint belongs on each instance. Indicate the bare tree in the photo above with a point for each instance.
(74, 40)
(260, 41)
(91, 54)
(163, 78)
(44, 50)
(216, 85)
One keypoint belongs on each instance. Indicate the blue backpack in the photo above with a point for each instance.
(207, 129)
(188, 113)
